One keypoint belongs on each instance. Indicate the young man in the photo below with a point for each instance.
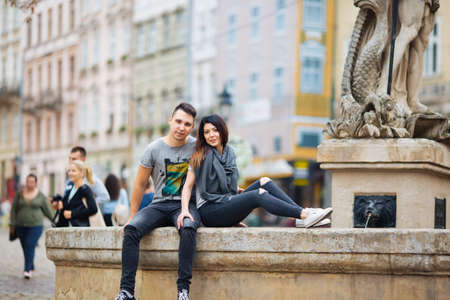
(166, 160)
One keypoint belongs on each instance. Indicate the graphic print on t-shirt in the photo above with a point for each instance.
(175, 176)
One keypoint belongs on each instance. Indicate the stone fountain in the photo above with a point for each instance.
(388, 154)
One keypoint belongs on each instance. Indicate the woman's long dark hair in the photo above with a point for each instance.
(112, 185)
(201, 144)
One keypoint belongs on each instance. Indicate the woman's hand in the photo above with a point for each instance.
(12, 229)
(68, 214)
(184, 214)
(60, 205)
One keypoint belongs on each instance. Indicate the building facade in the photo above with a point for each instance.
(104, 88)
(10, 83)
(159, 67)
(255, 62)
(50, 91)
(204, 93)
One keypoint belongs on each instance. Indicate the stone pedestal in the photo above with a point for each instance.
(415, 171)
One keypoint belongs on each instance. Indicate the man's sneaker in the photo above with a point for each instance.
(27, 275)
(301, 223)
(124, 295)
(315, 215)
(183, 294)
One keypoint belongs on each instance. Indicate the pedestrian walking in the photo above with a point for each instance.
(219, 200)
(166, 160)
(78, 204)
(118, 196)
(26, 220)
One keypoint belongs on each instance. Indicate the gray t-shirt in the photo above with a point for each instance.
(169, 167)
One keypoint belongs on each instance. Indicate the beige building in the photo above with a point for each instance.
(436, 80)
(50, 95)
(104, 84)
(159, 67)
(10, 80)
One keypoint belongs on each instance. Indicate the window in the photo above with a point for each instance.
(39, 36)
(280, 17)
(83, 118)
(254, 22)
(95, 113)
(48, 129)
(232, 24)
(231, 87)
(432, 57)
(71, 127)
(314, 15)
(30, 82)
(124, 110)
(49, 75)
(49, 24)
(84, 53)
(60, 76)
(72, 15)
(5, 19)
(72, 70)
(254, 86)
(277, 144)
(40, 85)
(58, 129)
(28, 133)
(16, 126)
(96, 47)
(152, 37)
(140, 40)
(309, 137)
(125, 39)
(60, 19)
(139, 112)
(38, 133)
(111, 113)
(181, 28)
(112, 41)
(312, 61)
(4, 131)
(166, 31)
(278, 84)
(29, 27)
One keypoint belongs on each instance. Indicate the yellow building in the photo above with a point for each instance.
(314, 93)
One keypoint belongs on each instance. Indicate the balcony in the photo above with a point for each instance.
(47, 100)
(9, 95)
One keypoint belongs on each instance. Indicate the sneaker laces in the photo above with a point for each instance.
(183, 295)
(122, 296)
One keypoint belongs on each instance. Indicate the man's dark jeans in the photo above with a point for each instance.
(158, 215)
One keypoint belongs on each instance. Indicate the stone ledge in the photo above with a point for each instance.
(380, 251)
(384, 151)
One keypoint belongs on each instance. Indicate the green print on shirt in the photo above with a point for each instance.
(175, 176)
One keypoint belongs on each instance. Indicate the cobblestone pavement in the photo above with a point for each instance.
(12, 284)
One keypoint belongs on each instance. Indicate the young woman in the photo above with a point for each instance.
(117, 195)
(72, 208)
(27, 216)
(219, 200)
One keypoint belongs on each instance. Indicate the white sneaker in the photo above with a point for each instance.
(301, 223)
(315, 215)
(27, 275)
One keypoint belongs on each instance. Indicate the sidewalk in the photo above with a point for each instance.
(12, 283)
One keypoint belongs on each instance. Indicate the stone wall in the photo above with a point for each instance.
(259, 263)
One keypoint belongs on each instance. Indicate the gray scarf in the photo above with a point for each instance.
(216, 178)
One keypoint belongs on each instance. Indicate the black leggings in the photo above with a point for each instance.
(238, 207)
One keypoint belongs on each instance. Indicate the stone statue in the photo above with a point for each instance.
(366, 110)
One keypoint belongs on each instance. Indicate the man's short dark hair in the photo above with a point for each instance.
(187, 108)
(79, 149)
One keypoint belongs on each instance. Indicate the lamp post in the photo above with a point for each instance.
(225, 103)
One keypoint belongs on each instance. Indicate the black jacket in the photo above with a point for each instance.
(80, 213)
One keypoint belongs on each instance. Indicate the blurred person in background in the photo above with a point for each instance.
(72, 208)
(26, 220)
(220, 202)
(149, 193)
(117, 195)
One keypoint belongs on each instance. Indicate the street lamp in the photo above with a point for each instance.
(225, 103)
